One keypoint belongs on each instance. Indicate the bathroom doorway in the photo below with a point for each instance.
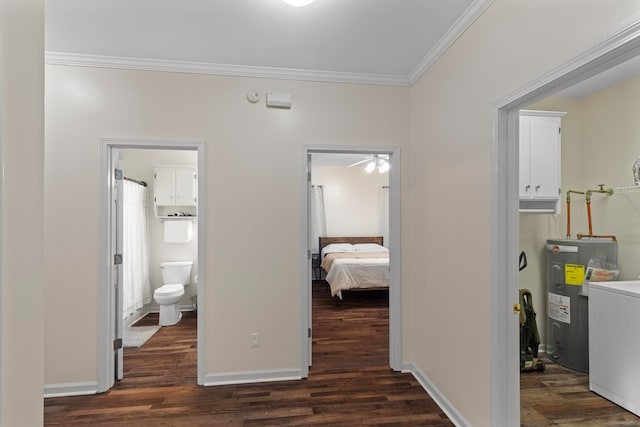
(173, 236)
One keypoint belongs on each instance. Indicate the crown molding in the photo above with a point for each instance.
(145, 64)
(100, 61)
(458, 28)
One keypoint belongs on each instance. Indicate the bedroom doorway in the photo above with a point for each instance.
(374, 172)
(144, 161)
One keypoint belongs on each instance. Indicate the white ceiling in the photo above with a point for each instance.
(378, 41)
(338, 159)
(610, 77)
(357, 41)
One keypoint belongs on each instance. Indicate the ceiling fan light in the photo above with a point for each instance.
(371, 166)
(298, 3)
(383, 166)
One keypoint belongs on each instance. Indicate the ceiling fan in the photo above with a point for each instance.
(380, 161)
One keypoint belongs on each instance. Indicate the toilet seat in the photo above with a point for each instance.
(169, 290)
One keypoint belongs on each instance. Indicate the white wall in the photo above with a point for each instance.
(254, 181)
(446, 192)
(448, 278)
(599, 146)
(21, 140)
(351, 199)
(139, 164)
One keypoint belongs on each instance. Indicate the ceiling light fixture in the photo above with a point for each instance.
(298, 3)
(371, 166)
(382, 165)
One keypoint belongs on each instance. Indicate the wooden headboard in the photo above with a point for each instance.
(324, 241)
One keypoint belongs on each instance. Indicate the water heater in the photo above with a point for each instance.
(567, 341)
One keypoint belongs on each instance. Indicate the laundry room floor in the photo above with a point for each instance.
(561, 397)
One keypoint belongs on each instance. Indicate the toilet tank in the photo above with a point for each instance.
(176, 272)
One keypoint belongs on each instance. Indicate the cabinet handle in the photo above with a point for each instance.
(537, 187)
(527, 187)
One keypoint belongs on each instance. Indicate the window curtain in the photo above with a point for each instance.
(136, 287)
(384, 215)
(318, 220)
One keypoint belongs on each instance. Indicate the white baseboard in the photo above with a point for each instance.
(70, 389)
(245, 377)
(447, 407)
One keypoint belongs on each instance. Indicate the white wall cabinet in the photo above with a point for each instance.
(540, 160)
(175, 191)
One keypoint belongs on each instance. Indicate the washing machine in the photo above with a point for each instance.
(614, 342)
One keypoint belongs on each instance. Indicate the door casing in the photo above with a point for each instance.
(505, 375)
(395, 301)
(106, 291)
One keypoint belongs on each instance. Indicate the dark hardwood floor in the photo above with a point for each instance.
(561, 397)
(349, 383)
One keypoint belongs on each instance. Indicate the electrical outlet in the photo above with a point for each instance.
(254, 339)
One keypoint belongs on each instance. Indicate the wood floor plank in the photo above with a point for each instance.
(561, 397)
(350, 382)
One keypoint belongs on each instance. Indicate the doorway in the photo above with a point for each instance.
(505, 246)
(110, 316)
(393, 245)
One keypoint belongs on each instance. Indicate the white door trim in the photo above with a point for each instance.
(2, 226)
(395, 287)
(505, 378)
(106, 312)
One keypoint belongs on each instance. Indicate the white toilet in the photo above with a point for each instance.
(175, 275)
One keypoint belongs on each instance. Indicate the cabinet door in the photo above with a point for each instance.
(525, 157)
(185, 180)
(164, 187)
(545, 157)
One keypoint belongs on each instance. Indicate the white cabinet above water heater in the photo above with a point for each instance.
(540, 157)
(175, 191)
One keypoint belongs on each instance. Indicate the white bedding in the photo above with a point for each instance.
(358, 273)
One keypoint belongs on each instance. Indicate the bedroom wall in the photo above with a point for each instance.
(21, 211)
(352, 199)
(447, 241)
(254, 181)
(599, 145)
(139, 164)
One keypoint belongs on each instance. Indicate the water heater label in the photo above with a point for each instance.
(574, 274)
(560, 308)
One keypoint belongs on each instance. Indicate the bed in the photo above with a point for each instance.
(354, 263)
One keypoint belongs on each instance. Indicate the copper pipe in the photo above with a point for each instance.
(589, 216)
(569, 210)
(608, 192)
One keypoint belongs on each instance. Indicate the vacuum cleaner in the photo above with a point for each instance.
(529, 336)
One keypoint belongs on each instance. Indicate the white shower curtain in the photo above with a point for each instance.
(136, 287)
(318, 221)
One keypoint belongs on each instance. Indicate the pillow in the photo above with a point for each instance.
(339, 247)
(369, 247)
